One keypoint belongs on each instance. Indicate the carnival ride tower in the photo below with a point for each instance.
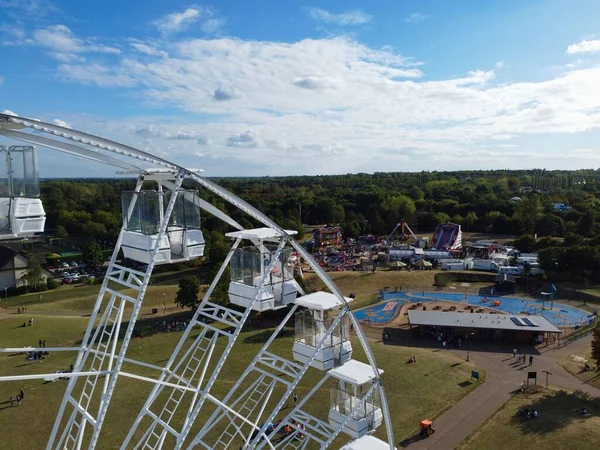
(161, 225)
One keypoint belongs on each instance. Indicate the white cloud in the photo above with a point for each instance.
(416, 17)
(214, 25)
(203, 140)
(64, 46)
(355, 17)
(14, 31)
(147, 49)
(223, 93)
(179, 21)
(170, 133)
(8, 112)
(61, 123)
(94, 74)
(315, 82)
(313, 100)
(584, 46)
(249, 139)
(32, 8)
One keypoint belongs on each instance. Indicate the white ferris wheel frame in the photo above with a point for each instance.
(171, 176)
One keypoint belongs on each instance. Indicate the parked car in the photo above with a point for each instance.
(65, 264)
(74, 264)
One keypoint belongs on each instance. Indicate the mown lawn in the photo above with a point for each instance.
(591, 377)
(414, 391)
(558, 426)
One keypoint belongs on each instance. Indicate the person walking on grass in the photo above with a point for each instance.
(295, 399)
(514, 352)
(530, 360)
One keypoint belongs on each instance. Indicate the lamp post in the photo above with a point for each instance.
(6, 296)
(164, 304)
(547, 373)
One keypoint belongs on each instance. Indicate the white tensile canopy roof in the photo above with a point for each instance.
(321, 301)
(354, 372)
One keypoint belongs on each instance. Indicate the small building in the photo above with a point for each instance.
(483, 326)
(505, 284)
(13, 266)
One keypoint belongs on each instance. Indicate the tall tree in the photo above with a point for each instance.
(596, 344)
(93, 256)
(187, 295)
(34, 275)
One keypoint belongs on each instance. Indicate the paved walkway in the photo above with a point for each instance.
(504, 376)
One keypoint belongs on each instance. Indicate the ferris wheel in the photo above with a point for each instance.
(161, 225)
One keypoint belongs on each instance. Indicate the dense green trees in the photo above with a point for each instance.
(596, 345)
(34, 275)
(363, 203)
(187, 295)
(93, 256)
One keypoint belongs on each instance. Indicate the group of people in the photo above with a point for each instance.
(529, 413)
(21, 309)
(19, 398)
(172, 325)
(522, 357)
(38, 355)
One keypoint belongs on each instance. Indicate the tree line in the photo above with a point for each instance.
(362, 203)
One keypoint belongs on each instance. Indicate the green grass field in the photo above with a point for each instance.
(591, 377)
(414, 391)
(558, 426)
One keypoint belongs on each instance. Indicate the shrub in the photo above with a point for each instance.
(52, 283)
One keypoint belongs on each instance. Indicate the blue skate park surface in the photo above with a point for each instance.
(560, 315)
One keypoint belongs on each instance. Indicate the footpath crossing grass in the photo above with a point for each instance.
(414, 391)
(558, 426)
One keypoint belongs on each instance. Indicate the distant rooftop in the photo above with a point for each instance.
(477, 320)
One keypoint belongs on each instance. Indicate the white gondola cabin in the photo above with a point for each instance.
(182, 241)
(250, 264)
(367, 442)
(354, 379)
(21, 210)
(322, 308)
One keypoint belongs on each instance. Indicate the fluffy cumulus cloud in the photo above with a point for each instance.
(335, 105)
(355, 17)
(585, 46)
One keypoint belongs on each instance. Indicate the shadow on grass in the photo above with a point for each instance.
(263, 336)
(410, 338)
(411, 440)
(465, 384)
(147, 327)
(451, 366)
(556, 410)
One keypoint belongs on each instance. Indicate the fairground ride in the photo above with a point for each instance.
(403, 233)
(161, 225)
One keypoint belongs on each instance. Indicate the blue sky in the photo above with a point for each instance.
(288, 88)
